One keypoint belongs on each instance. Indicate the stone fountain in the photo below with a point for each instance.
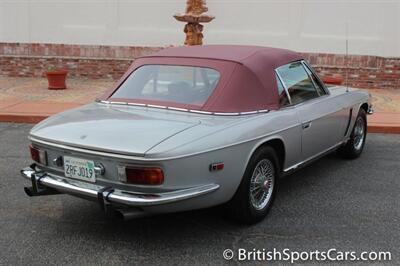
(193, 16)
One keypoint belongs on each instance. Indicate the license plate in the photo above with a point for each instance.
(79, 169)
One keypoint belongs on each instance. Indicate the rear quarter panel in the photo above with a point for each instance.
(187, 156)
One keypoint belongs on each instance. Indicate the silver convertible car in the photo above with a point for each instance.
(194, 127)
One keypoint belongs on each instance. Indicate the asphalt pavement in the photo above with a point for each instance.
(331, 204)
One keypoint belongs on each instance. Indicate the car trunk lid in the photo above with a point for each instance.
(117, 129)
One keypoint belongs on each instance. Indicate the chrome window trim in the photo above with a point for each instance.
(310, 77)
(284, 87)
(306, 101)
(162, 107)
(316, 75)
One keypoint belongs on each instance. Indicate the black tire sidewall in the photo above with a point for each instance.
(241, 201)
(348, 151)
(363, 115)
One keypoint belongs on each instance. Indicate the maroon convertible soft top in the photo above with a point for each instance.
(247, 80)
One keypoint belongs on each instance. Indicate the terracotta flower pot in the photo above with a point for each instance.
(337, 80)
(56, 79)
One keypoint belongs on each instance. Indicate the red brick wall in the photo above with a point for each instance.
(362, 71)
(78, 67)
(92, 61)
(96, 61)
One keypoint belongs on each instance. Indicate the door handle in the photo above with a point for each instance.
(306, 125)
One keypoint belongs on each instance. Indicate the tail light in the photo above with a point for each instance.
(38, 156)
(141, 176)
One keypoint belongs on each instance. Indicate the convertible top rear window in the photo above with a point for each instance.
(169, 83)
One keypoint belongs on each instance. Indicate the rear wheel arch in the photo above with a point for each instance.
(278, 145)
(242, 206)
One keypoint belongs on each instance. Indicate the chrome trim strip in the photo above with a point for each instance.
(250, 113)
(227, 114)
(120, 103)
(200, 112)
(313, 157)
(157, 106)
(178, 109)
(128, 198)
(137, 104)
(186, 110)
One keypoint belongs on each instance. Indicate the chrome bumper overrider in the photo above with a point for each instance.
(370, 110)
(107, 195)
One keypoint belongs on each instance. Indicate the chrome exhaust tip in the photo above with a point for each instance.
(129, 214)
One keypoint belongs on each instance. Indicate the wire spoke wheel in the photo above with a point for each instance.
(359, 132)
(262, 184)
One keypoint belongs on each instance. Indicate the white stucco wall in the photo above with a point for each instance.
(315, 26)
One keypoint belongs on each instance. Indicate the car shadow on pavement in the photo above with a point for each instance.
(291, 189)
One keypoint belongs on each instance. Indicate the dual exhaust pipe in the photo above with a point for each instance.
(128, 214)
(118, 213)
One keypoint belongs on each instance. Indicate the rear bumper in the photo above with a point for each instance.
(108, 195)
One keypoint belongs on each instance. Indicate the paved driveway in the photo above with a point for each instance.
(347, 205)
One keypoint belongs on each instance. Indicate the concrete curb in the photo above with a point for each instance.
(386, 129)
(22, 118)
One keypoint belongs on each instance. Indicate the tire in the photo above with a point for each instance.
(355, 145)
(244, 206)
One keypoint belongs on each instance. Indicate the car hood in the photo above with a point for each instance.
(123, 130)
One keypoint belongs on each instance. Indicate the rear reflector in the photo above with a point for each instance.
(216, 167)
(141, 176)
(38, 155)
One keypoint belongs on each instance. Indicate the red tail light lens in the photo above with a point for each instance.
(142, 176)
(38, 155)
(34, 154)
